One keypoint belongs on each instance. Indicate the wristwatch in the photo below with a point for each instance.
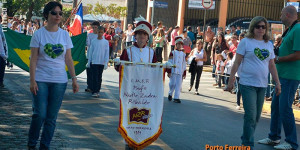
(277, 60)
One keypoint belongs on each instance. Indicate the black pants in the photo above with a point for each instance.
(158, 52)
(198, 72)
(111, 53)
(89, 78)
(128, 44)
(2, 69)
(97, 71)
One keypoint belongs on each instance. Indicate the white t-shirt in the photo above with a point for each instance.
(220, 65)
(51, 63)
(90, 37)
(228, 66)
(99, 52)
(128, 35)
(199, 55)
(254, 68)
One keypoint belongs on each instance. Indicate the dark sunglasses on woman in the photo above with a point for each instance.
(260, 26)
(54, 13)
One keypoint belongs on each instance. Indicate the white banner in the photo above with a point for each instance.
(141, 99)
(197, 4)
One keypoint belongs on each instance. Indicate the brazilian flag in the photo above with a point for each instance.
(19, 50)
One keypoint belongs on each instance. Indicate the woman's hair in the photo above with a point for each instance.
(160, 32)
(223, 38)
(242, 35)
(50, 6)
(200, 41)
(254, 22)
(95, 23)
(220, 55)
(230, 55)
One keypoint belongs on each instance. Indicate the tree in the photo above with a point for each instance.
(27, 7)
(111, 10)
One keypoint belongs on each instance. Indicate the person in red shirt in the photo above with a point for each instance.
(235, 43)
(108, 37)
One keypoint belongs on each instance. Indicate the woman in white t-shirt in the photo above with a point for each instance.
(254, 60)
(50, 52)
(200, 56)
(128, 34)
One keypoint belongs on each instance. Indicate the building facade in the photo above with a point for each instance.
(237, 12)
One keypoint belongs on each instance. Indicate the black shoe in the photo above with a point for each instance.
(31, 148)
(128, 148)
(169, 97)
(177, 101)
(88, 90)
(43, 147)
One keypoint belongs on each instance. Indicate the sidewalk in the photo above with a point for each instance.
(267, 104)
(15, 116)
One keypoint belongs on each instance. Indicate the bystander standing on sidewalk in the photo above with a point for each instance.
(174, 34)
(254, 60)
(3, 54)
(50, 52)
(288, 66)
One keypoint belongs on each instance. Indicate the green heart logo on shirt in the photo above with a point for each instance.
(261, 54)
(53, 50)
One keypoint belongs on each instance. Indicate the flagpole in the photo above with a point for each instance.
(73, 12)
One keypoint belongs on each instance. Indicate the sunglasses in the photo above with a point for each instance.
(260, 26)
(54, 13)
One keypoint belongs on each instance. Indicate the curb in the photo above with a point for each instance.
(267, 109)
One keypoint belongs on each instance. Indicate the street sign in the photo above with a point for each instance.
(158, 4)
(161, 4)
(197, 4)
(207, 3)
(295, 4)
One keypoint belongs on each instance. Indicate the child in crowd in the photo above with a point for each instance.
(220, 69)
(228, 66)
(177, 57)
(98, 56)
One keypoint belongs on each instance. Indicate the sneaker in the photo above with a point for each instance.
(95, 95)
(169, 97)
(190, 89)
(88, 90)
(238, 107)
(284, 146)
(177, 101)
(196, 92)
(268, 141)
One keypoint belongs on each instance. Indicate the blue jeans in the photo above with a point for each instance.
(238, 91)
(45, 106)
(253, 100)
(2, 69)
(282, 112)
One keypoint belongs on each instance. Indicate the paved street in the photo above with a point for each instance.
(88, 123)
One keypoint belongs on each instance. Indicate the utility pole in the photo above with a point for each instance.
(74, 3)
(152, 16)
